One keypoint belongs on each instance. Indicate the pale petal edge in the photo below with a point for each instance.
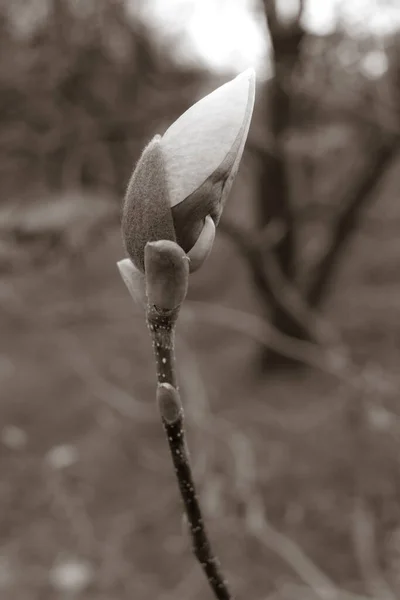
(134, 280)
(186, 166)
(203, 246)
(246, 126)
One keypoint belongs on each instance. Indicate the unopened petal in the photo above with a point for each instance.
(147, 214)
(189, 216)
(133, 279)
(199, 141)
(239, 144)
(203, 246)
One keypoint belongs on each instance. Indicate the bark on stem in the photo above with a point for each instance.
(161, 324)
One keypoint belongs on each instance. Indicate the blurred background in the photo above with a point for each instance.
(289, 342)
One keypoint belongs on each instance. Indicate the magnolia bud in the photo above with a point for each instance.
(147, 214)
(179, 187)
(167, 274)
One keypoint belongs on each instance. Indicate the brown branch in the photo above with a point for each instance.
(271, 15)
(301, 9)
(330, 108)
(363, 192)
(364, 541)
(274, 25)
(162, 329)
(274, 194)
(274, 289)
(285, 37)
(166, 276)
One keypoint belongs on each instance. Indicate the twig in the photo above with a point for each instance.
(293, 591)
(166, 279)
(364, 191)
(70, 508)
(332, 362)
(112, 395)
(289, 551)
(319, 584)
(363, 533)
(162, 327)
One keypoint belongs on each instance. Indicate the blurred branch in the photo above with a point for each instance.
(289, 551)
(259, 526)
(333, 110)
(277, 29)
(70, 508)
(109, 393)
(373, 224)
(363, 533)
(331, 362)
(319, 585)
(274, 201)
(299, 421)
(301, 9)
(353, 203)
(271, 15)
(298, 592)
(306, 87)
(275, 290)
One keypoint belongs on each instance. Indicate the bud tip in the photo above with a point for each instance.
(169, 403)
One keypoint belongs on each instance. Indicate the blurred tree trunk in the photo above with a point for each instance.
(274, 207)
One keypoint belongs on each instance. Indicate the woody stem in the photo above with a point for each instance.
(161, 324)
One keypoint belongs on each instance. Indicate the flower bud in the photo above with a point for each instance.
(147, 214)
(169, 403)
(180, 185)
(167, 274)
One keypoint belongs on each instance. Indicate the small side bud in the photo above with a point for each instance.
(133, 279)
(169, 403)
(167, 274)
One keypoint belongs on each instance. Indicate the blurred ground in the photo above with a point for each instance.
(88, 496)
